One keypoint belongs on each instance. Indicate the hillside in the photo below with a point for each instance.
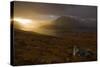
(34, 48)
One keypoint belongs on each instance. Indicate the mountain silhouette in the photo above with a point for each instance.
(66, 24)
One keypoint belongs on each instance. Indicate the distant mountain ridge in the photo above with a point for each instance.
(66, 24)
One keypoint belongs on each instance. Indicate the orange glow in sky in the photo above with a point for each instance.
(23, 21)
(30, 24)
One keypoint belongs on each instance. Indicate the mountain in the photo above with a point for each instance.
(66, 24)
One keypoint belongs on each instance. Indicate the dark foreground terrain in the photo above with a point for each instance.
(34, 48)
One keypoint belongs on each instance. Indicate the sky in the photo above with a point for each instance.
(47, 11)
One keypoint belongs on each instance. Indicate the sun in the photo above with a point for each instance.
(32, 25)
(25, 24)
(23, 21)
